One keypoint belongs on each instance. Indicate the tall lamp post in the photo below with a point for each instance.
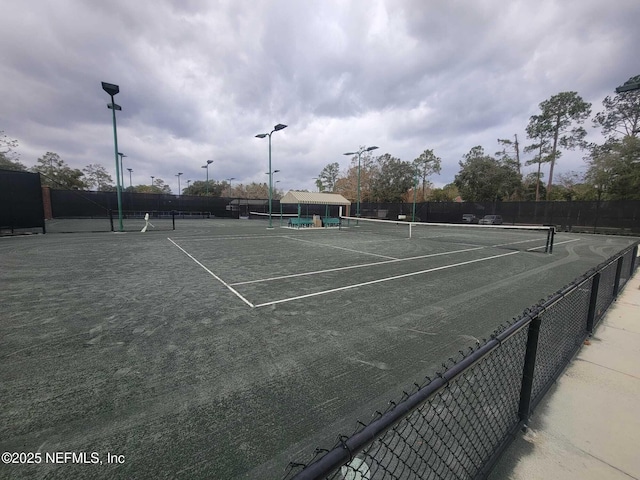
(262, 135)
(152, 177)
(359, 153)
(415, 188)
(209, 162)
(229, 180)
(121, 169)
(113, 90)
(130, 182)
(178, 175)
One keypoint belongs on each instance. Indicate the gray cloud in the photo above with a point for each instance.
(199, 79)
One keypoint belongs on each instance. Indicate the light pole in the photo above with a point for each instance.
(113, 90)
(130, 182)
(262, 135)
(209, 162)
(359, 153)
(178, 175)
(152, 177)
(229, 180)
(415, 188)
(188, 184)
(121, 169)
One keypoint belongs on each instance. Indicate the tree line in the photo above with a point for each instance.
(613, 167)
(55, 173)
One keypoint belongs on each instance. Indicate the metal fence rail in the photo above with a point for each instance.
(457, 424)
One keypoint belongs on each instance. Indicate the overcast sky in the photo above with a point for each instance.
(200, 78)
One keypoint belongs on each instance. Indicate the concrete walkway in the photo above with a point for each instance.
(588, 425)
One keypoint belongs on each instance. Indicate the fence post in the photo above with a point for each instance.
(591, 316)
(616, 285)
(529, 370)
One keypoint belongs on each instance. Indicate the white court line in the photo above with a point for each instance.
(342, 248)
(229, 237)
(338, 269)
(515, 243)
(557, 243)
(213, 274)
(333, 290)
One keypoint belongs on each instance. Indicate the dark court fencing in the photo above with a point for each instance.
(80, 203)
(21, 206)
(587, 217)
(86, 211)
(456, 424)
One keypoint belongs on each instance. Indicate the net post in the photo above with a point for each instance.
(546, 246)
(173, 219)
(111, 219)
(550, 238)
(410, 229)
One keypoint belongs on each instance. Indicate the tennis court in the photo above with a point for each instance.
(224, 350)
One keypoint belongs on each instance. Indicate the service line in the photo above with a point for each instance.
(388, 279)
(350, 267)
(342, 248)
(556, 243)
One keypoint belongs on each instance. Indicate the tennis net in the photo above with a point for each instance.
(516, 237)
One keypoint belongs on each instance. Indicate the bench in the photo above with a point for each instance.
(300, 222)
(330, 222)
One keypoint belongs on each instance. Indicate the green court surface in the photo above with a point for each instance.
(224, 349)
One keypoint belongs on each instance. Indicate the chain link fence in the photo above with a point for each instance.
(620, 217)
(456, 424)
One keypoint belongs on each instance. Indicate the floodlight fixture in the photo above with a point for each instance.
(276, 128)
(209, 162)
(112, 90)
(359, 154)
(229, 180)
